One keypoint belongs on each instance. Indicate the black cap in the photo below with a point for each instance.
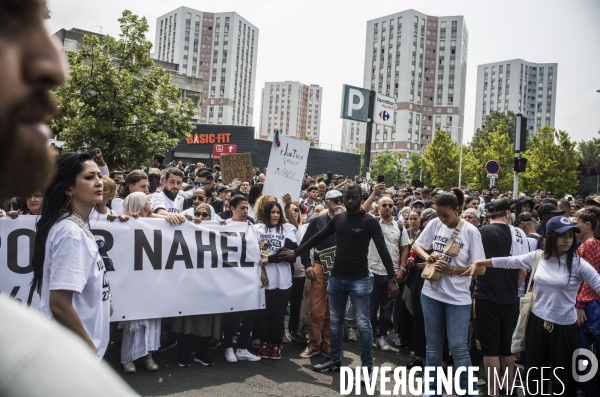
(499, 205)
(523, 217)
(549, 208)
(488, 195)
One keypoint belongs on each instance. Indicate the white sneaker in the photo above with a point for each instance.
(245, 355)
(396, 340)
(230, 355)
(383, 343)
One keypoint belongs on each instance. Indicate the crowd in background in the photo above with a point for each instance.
(434, 319)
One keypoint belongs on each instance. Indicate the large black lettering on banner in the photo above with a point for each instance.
(160, 270)
(12, 254)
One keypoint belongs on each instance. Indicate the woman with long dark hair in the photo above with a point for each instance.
(551, 335)
(67, 268)
(273, 233)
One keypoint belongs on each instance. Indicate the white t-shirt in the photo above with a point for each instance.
(554, 294)
(451, 289)
(72, 263)
(161, 201)
(279, 274)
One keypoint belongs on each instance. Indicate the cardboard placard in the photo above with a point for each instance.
(236, 166)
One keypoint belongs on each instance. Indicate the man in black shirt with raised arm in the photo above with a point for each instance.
(350, 275)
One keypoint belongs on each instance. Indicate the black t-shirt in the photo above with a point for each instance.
(353, 235)
(497, 285)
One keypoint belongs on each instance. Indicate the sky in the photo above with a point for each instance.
(323, 42)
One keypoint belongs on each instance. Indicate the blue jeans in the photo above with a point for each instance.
(443, 317)
(359, 292)
(380, 298)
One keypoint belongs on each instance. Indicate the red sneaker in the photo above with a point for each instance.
(264, 350)
(275, 352)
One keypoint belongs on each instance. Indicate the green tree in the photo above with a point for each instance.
(497, 147)
(390, 166)
(415, 165)
(499, 122)
(441, 161)
(551, 163)
(117, 100)
(589, 163)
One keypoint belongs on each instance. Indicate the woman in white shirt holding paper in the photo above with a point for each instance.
(551, 335)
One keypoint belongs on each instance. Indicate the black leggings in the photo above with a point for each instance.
(271, 320)
(296, 302)
(230, 323)
(419, 342)
(188, 343)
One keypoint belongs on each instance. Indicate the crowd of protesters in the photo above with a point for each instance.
(347, 254)
(341, 257)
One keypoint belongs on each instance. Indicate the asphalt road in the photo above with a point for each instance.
(290, 376)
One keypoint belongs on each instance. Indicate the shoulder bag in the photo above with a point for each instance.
(525, 304)
(429, 272)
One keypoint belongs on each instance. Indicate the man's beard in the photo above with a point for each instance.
(26, 162)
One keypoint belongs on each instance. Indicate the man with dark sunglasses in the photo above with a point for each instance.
(396, 239)
(201, 196)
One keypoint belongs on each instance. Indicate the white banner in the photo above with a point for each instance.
(160, 270)
(286, 167)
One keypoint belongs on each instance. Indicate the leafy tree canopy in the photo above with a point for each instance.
(117, 100)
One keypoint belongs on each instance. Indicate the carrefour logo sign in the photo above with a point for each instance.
(384, 110)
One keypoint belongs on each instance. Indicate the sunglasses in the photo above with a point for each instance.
(199, 184)
(296, 210)
(336, 200)
(202, 214)
(387, 205)
(199, 198)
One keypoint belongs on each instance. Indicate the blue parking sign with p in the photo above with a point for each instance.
(355, 103)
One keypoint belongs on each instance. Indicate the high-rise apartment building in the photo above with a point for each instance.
(292, 108)
(350, 135)
(421, 61)
(523, 87)
(220, 48)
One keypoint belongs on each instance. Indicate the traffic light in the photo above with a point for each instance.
(520, 164)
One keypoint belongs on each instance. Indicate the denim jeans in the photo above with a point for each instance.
(380, 298)
(359, 292)
(443, 317)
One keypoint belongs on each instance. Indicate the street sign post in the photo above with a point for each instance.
(383, 112)
(218, 150)
(364, 105)
(492, 167)
(355, 103)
